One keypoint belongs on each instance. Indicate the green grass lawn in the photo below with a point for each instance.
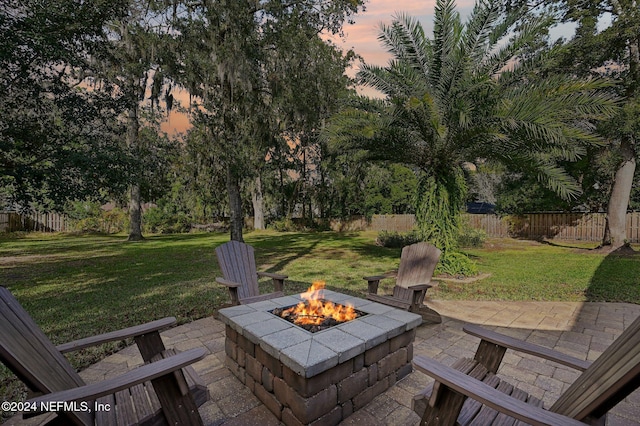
(528, 270)
(76, 286)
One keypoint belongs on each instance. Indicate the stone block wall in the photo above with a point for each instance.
(328, 397)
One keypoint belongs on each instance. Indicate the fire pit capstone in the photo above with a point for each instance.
(322, 377)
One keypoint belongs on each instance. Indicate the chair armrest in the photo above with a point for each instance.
(479, 391)
(139, 375)
(379, 277)
(273, 276)
(227, 282)
(419, 287)
(374, 281)
(277, 279)
(125, 333)
(526, 347)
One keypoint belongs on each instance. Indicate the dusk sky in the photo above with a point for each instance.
(363, 35)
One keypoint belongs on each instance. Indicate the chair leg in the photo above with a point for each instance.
(417, 307)
(490, 355)
(178, 406)
(233, 292)
(429, 315)
(444, 407)
(373, 286)
(278, 284)
(416, 299)
(149, 345)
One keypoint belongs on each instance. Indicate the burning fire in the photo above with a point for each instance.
(314, 310)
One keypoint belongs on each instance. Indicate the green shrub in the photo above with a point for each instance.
(393, 239)
(283, 225)
(160, 221)
(88, 217)
(456, 264)
(320, 225)
(78, 210)
(299, 225)
(471, 237)
(115, 220)
(91, 225)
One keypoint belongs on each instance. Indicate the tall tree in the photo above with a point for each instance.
(470, 92)
(58, 137)
(199, 182)
(615, 53)
(237, 65)
(140, 51)
(606, 44)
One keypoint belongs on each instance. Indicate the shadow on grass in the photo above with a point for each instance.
(562, 245)
(617, 278)
(280, 250)
(105, 282)
(116, 284)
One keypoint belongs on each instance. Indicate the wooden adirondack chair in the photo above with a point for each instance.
(156, 393)
(413, 279)
(238, 264)
(602, 384)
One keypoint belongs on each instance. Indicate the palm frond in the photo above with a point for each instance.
(508, 56)
(370, 129)
(479, 29)
(406, 41)
(559, 101)
(547, 172)
(378, 78)
(445, 26)
(398, 79)
(502, 28)
(558, 180)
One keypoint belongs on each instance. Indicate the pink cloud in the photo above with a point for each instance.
(362, 36)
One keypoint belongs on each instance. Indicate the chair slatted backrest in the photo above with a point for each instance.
(611, 377)
(417, 263)
(238, 264)
(26, 351)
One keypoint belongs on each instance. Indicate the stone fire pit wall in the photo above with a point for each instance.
(318, 378)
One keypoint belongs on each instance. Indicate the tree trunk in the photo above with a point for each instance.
(135, 214)
(135, 210)
(304, 183)
(258, 204)
(615, 233)
(283, 204)
(235, 205)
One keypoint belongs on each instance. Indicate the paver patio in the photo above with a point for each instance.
(583, 330)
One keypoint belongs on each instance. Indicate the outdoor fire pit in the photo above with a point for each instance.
(314, 313)
(319, 373)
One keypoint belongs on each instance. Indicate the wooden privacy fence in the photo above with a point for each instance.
(43, 222)
(559, 226)
(394, 222)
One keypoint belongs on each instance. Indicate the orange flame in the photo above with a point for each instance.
(314, 311)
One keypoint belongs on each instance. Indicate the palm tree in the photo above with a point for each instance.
(472, 92)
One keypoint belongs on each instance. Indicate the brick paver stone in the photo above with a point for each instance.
(232, 402)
